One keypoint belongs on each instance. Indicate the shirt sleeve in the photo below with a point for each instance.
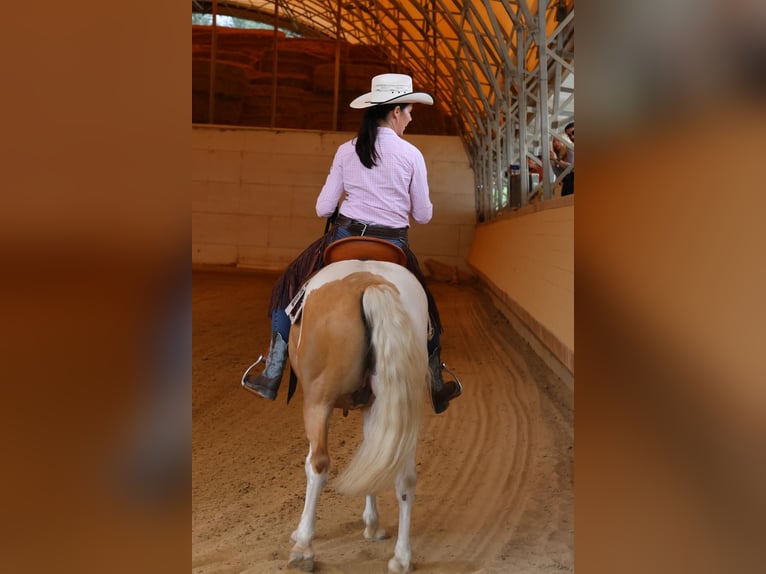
(333, 188)
(422, 208)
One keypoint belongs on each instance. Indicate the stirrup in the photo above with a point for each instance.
(457, 381)
(257, 361)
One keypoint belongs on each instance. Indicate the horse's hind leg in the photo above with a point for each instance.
(317, 468)
(302, 554)
(405, 493)
(372, 531)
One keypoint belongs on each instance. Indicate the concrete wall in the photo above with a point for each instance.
(527, 260)
(254, 192)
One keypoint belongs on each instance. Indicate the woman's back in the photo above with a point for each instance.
(387, 194)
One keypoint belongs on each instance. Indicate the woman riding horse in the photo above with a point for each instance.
(385, 181)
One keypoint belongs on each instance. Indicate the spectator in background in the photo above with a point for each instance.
(535, 177)
(559, 155)
(568, 187)
(534, 167)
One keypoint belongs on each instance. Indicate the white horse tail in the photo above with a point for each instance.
(400, 383)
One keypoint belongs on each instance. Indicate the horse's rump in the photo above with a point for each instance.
(330, 344)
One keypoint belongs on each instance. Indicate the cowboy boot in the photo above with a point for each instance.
(442, 393)
(267, 383)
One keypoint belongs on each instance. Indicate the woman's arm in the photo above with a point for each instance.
(328, 198)
(422, 208)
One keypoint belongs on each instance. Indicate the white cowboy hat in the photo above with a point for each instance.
(391, 89)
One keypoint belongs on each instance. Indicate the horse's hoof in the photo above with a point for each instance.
(395, 566)
(379, 534)
(300, 562)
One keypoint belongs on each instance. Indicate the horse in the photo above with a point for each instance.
(359, 341)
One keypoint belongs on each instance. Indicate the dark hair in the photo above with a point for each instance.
(368, 133)
(569, 125)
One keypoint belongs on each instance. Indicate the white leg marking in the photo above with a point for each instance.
(405, 493)
(302, 554)
(370, 516)
(372, 530)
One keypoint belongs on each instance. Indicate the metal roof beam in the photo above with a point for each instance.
(489, 62)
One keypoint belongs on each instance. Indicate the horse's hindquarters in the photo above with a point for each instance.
(330, 350)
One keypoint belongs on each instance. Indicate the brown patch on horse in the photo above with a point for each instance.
(333, 359)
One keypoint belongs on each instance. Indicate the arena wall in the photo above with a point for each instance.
(526, 258)
(254, 192)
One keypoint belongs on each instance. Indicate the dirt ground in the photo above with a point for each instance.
(495, 488)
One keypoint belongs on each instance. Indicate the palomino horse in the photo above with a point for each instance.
(362, 323)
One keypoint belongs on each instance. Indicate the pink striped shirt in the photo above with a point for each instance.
(388, 194)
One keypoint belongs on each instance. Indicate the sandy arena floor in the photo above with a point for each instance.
(495, 471)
